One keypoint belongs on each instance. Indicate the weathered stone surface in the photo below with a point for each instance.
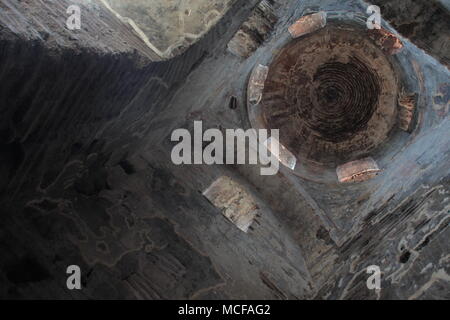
(254, 31)
(45, 23)
(234, 202)
(169, 27)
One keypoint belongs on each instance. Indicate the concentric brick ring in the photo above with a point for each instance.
(346, 98)
(332, 94)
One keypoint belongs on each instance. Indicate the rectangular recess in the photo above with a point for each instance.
(235, 203)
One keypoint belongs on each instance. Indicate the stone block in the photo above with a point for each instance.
(308, 24)
(358, 170)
